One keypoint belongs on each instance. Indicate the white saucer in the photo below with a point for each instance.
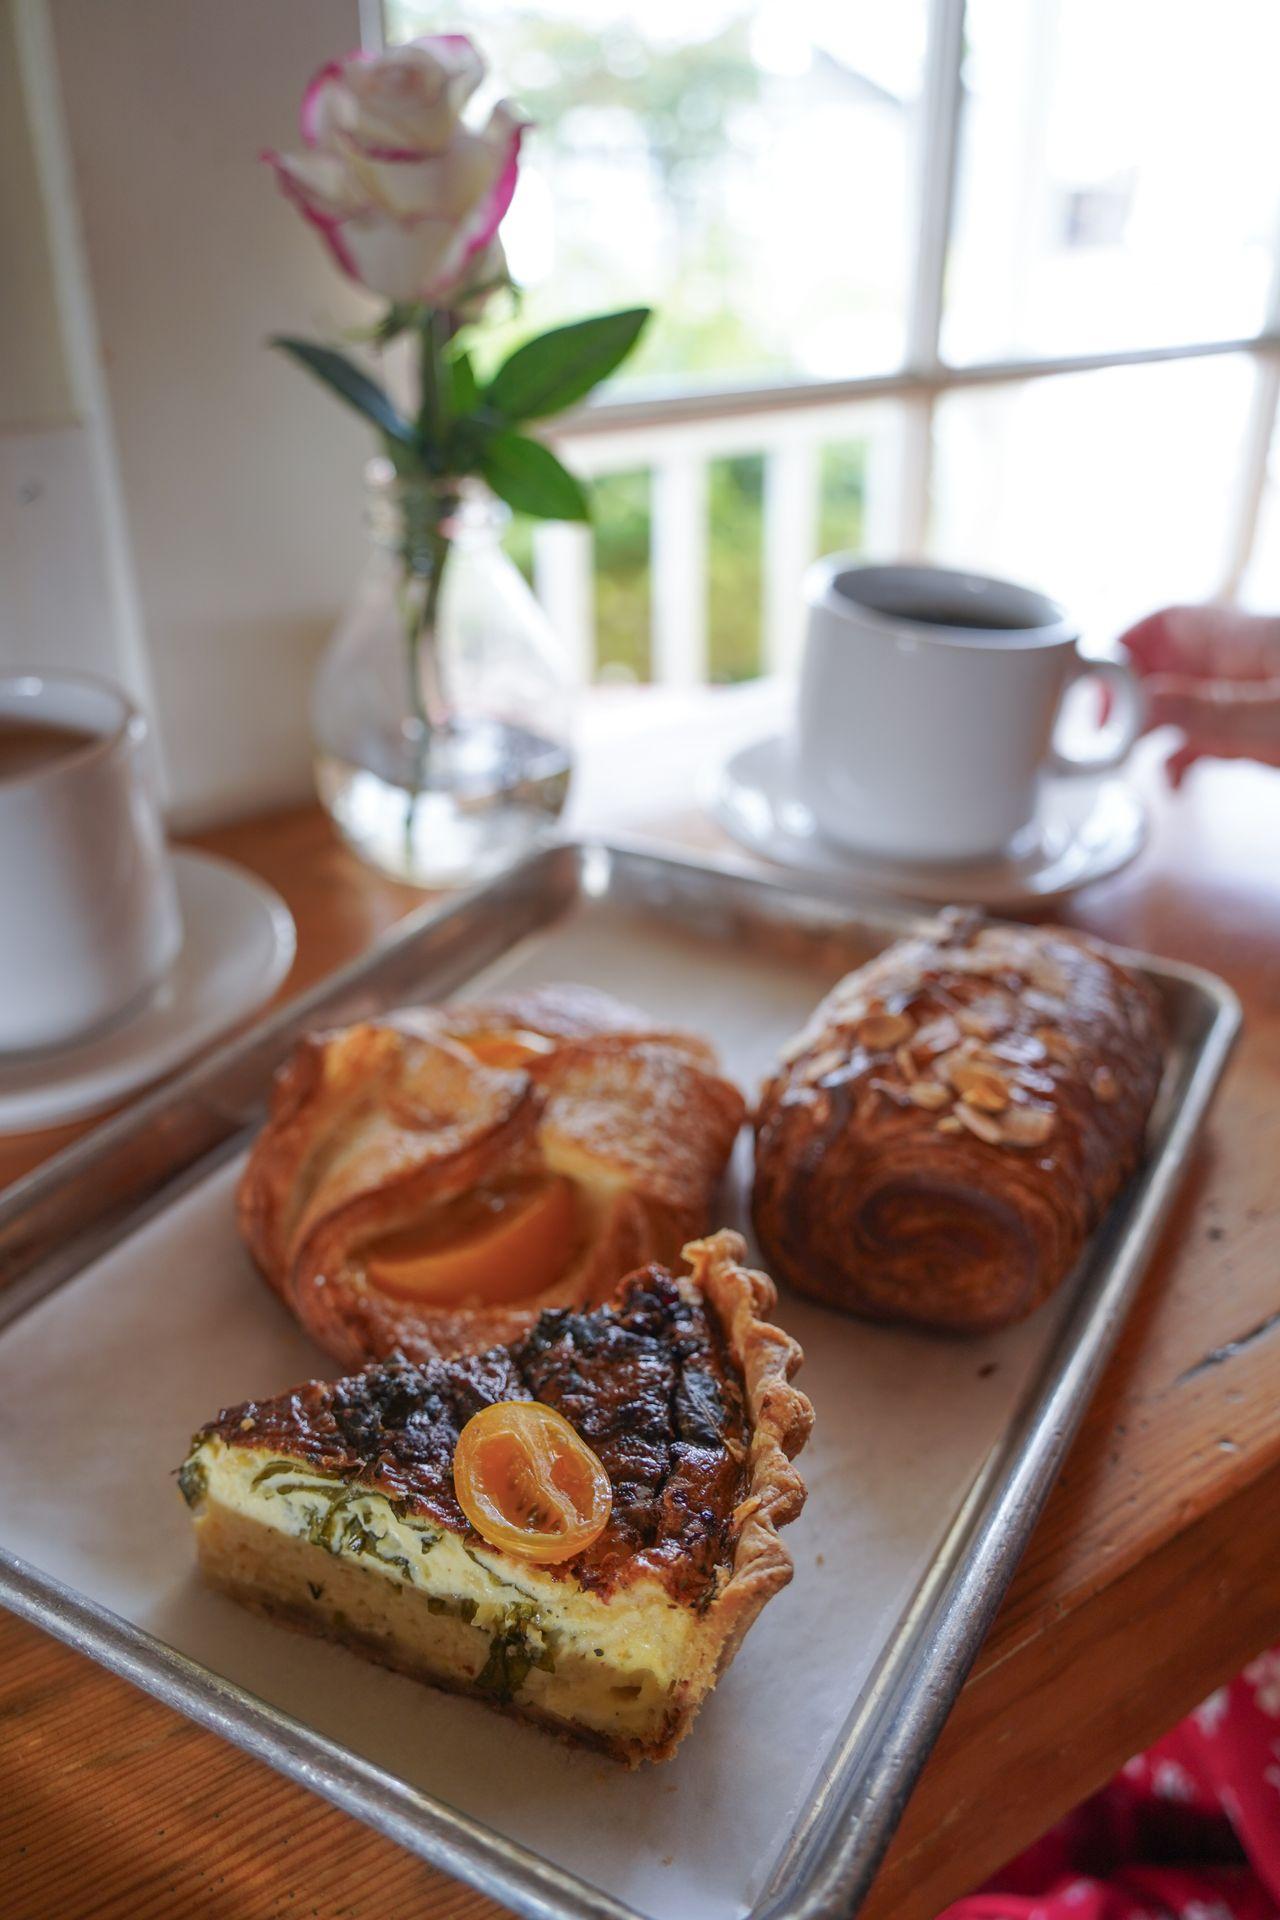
(237, 946)
(1086, 828)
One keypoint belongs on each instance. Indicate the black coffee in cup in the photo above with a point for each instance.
(940, 600)
(27, 746)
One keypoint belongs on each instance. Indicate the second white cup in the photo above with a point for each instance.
(928, 705)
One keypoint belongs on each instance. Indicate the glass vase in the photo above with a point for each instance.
(442, 709)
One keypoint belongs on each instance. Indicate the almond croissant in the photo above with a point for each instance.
(954, 1122)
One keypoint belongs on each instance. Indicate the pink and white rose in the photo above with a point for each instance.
(407, 195)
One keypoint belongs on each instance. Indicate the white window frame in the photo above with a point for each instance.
(675, 433)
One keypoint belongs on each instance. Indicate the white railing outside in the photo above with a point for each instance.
(677, 455)
(676, 440)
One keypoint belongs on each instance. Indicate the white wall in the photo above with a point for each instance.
(35, 382)
(67, 596)
(240, 478)
(58, 606)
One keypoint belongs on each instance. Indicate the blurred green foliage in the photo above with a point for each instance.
(735, 557)
(678, 103)
(842, 501)
(684, 103)
(620, 511)
(735, 566)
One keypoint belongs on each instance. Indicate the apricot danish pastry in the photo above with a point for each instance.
(429, 1182)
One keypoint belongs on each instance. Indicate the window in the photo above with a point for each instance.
(684, 158)
(1115, 486)
(995, 282)
(1117, 177)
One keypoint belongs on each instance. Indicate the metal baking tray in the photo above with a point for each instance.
(936, 1508)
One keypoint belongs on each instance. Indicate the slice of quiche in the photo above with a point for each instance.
(579, 1527)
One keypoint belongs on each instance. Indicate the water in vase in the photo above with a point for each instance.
(486, 791)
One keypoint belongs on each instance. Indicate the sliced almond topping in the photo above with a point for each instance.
(841, 1008)
(1026, 1126)
(1105, 1085)
(877, 1032)
(946, 1063)
(975, 1024)
(1037, 958)
(1057, 1045)
(929, 1094)
(949, 1124)
(980, 1086)
(899, 1095)
(1050, 1006)
(1021, 1049)
(938, 1035)
(906, 1063)
(985, 1018)
(976, 961)
(822, 1064)
(980, 1123)
(1034, 1080)
(1047, 977)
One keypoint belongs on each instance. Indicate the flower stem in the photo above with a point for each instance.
(428, 677)
(420, 607)
(425, 551)
(435, 410)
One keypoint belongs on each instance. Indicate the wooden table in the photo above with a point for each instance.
(1153, 1576)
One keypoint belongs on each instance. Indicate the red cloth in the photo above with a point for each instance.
(1190, 1830)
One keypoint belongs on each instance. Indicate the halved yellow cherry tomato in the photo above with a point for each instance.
(529, 1483)
(511, 1047)
(499, 1246)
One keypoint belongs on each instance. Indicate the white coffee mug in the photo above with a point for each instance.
(90, 919)
(928, 705)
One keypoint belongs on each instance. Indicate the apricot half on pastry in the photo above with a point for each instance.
(508, 1047)
(528, 1483)
(492, 1247)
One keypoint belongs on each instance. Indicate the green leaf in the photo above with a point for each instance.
(466, 392)
(469, 435)
(552, 372)
(345, 379)
(529, 478)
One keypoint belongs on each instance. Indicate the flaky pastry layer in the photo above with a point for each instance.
(375, 1128)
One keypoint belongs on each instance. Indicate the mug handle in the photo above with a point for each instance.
(1123, 726)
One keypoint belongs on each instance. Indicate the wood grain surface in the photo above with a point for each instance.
(1152, 1576)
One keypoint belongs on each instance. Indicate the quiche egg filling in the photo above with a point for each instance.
(275, 1531)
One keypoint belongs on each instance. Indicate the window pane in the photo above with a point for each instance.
(1118, 175)
(842, 513)
(735, 517)
(1111, 491)
(742, 165)
(621, 520)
